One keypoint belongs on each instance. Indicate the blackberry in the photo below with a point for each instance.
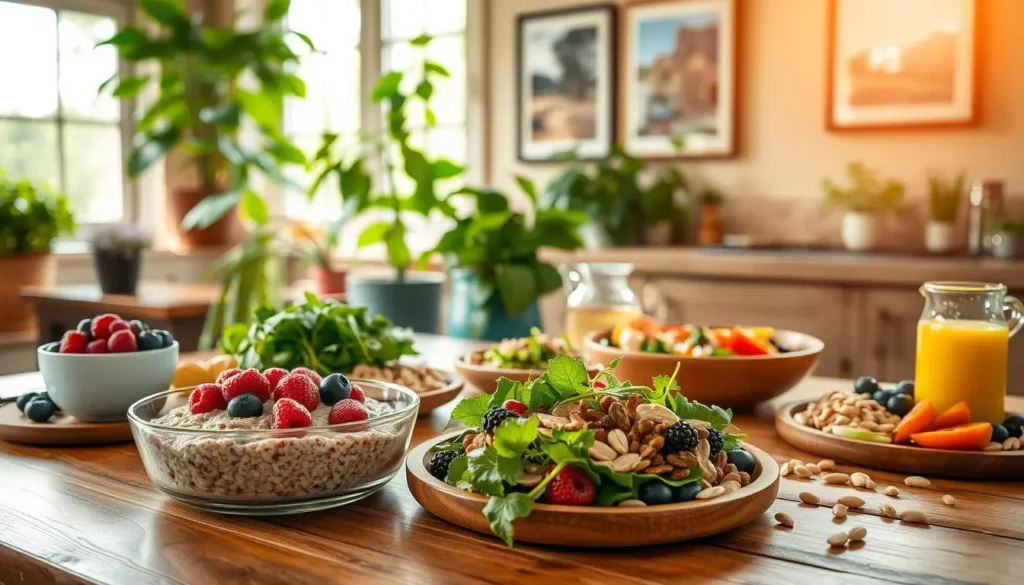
(716, 440)
(495, 417)
(681, 436)
(440, 461)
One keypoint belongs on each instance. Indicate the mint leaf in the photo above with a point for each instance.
(613, 364)
(684, 409)
(567, 375)
(570, 447)
(732, 441)
(488, 471)
(457, 470)
(514, 435)
(471, 411)
(501, 393)
(501, 513)
(541, 394)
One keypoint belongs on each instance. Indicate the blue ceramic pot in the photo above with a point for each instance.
(414, 302)
(465, 320)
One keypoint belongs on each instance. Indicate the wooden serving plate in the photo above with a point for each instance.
(599, 527)
(976, 465)
(485, 378)
(435, 398)
(62, 429)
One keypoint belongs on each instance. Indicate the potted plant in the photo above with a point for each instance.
(494, 272)
(864, 202)
(316, 245)
(944, 196)
(709, 232)
(407, 298)
(31, 217)
(661, 210)
(207, 82)
(117, 255)
(1006, 241)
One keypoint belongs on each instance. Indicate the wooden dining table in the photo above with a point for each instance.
(91, 515)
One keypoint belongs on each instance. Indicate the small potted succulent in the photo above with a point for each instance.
(864, 202)
(944, 196)
(709, 231)
(1007, 238)
(117, 253)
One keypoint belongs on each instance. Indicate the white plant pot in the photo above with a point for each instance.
(861, 231)
(939, 236)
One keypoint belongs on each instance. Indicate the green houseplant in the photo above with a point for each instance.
(866, 198)
(944, 197)
(208, 82)
(495, 274)
(32, 216)
(709, 232)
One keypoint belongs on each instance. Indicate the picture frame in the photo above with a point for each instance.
(565, 85)
(922, 73)
(677, 75)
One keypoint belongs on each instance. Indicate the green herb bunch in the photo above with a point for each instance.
(517, 442)
(32, 216)
(945, 194)
(866, 193)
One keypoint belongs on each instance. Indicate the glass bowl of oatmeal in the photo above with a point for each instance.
(237, 465)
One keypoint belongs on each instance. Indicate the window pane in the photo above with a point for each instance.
(402, 19)
(28, 150)
(449, 101)
(84, 66)
(28, 60)
(343, 90)
(341, 19)
(310, 114)
(448, 142)
(446, 16)
(92, 173)
(326, 204)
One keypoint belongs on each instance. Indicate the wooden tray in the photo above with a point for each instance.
(62, 429)
(599, 527)
(977, 465)
(435, 398)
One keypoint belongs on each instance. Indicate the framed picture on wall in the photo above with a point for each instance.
(566, 83)
(901, 64)
(678, 78)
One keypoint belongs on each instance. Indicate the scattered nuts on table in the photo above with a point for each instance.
(888, 511)
(857, 533)
(813, 468)
(851, 501)
(949, 500)
(809, 498)
(917, 481)
(836, 478)
(838, 539)
(416, 378)
(786, 468)
(915, 516)
(892, 491)
(859, 479)
(839, 511)
(784, 519)
(993, 446)
(802, 471)
(826, 464)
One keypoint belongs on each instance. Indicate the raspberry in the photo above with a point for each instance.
(122, 341)
(495, 417)
(441, 461)
(518, 408)
(357, 394)
(206, 398)
(347, 410)
(571, 487)
(300, 389)
(716, 440)
(101, 325)
(289, 414)
(313, 376)
(119, 325)
(97, 346)
(600, 384)
(74, 342)
(250, 381)
(273, 376)
(227, 375)
(681, 436)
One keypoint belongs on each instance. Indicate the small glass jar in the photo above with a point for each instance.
(599, 298)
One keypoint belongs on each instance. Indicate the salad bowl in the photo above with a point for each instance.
(484, 377)
(519, 359)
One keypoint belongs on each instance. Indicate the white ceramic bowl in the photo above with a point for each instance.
(101, 387)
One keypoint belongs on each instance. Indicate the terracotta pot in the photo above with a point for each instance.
(19, 271)
(225, 232)
(709, 232)
(329, 282)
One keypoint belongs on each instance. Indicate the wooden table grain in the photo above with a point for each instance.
(90, 515)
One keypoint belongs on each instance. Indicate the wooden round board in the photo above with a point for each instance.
(435, 398)
(976, 465)
(599, 527)
(60, 430)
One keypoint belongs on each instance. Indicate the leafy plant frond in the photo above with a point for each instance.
(865, 192)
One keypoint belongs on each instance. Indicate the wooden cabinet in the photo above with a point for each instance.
(888, 341)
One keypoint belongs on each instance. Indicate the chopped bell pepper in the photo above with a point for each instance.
(744, 344)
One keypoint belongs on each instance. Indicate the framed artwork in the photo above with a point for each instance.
(910, 63)
(566, 83)
(678, 78)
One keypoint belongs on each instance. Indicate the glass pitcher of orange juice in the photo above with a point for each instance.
(963, 343)
(599, 298)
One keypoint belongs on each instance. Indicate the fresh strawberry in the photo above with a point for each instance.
(313, 376)
(274, 376)
(347, 410)
(206, 398)
(227, 375)
(356, 393)
(300, 389)
(100, 327)
(74, 342)
(250, 381)
(119, 325)
(289, 414)
(97, 346)
(571, 487)
(122, 341)
(516, 406)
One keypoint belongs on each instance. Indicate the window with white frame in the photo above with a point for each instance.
(54, 127)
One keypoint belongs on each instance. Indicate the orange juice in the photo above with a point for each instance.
(963, 360)
(581, 321)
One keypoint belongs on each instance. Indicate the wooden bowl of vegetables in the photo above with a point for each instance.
(520, 360)
(732, 366)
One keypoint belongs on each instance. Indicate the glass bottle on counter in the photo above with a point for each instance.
(599, 298)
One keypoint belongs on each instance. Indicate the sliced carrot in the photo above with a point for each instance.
(916, 421)
(957, 415)
(969, 437)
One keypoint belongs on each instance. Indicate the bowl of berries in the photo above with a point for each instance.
(97, 370)
(274, 441)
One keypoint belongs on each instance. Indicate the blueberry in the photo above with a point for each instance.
(1014, 419)
(1014, 430)
(85, 326)
(148, 340)
(742, 460)
(900, 404)
(685, 493)
(138, 326)
(866, 385)
(1000, 433)
(655, 493)
(245, 406)
(167, 340)
(24, 399)
(334, 388)
(52, 347)
(905, 387)
(40, 409)
(882, 396)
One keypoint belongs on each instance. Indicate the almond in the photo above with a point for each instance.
(851, 501)
(618, 441)
(813, 468)
(826, 464)
(786, 469)
(859, 479)
(809, 498)
(835, 478)
(657, 413)
(602, 452)
(710, 493)
(949, 500)
(839, 511)
(917, 481)
(801, 471)
(892, 491)
(915, 516)
(838, 539)
(730, 486)
(624, 463)
(857, 533)
(888, 511)
(784, 519)
(993, 446)
(631, 504)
